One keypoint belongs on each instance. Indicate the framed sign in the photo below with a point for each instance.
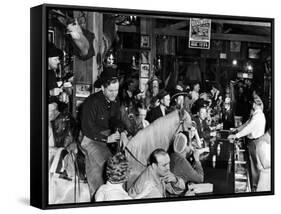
(97, 159)
(200, 33)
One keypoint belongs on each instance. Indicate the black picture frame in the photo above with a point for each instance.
(39, 101)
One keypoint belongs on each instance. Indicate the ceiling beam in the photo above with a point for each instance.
(176, 26)
(241, 37)
(236, 22)
(128, 29)
(184, 33)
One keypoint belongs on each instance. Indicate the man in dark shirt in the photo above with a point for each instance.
(204, 130)
(100, 123)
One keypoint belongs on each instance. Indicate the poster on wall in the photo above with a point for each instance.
(199, 33)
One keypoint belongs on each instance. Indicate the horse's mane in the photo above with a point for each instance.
(157, 135)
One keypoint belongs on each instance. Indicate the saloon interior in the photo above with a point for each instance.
(231, 55)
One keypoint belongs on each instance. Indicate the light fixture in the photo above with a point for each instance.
(234, 62)
(249, 67)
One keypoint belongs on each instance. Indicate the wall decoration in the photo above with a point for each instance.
(145, 41)
(199, 33)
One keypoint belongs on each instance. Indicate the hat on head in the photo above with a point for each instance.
(162, 94)
(53, 51)
(177, 93)
(181, 141)
(108, 74)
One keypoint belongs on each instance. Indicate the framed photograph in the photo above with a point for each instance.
(145, 41)
(144, 70)
(254, 53)
(82, 90)
(78, 160)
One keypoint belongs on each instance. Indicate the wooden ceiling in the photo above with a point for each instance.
(235, 30)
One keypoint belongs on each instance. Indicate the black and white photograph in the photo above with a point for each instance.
(198, 125)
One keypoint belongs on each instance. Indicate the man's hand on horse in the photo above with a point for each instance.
(113, 138)
(196, 154)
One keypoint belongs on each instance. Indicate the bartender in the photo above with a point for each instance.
(101, 125)
(254, 128)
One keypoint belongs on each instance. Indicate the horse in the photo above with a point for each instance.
(159, 134)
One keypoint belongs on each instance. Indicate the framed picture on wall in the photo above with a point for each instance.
(254, 53)
(79, 161)
(144, 70)
(145, 41)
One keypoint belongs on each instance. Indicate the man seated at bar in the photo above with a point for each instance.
(158, 173)
(195, 91)
(203, 128)
(141, 113)
(253, 128)
(185, 161)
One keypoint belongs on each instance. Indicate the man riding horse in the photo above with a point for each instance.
(101, 122)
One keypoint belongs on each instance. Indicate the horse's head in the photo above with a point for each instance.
(185, 120)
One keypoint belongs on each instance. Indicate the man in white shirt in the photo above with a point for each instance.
(195, 92)
(254, 128)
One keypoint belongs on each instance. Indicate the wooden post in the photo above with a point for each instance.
(98, 31)
(86, 72)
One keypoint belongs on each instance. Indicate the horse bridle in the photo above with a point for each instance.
(181, 124)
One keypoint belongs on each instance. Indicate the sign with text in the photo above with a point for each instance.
(199, 33)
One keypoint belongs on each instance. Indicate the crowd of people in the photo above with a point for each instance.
(119, 110)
